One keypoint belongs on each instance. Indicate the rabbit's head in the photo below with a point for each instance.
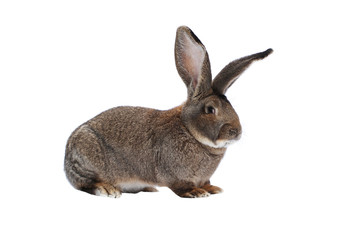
(207, 113)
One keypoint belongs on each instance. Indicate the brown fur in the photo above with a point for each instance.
(132, 149)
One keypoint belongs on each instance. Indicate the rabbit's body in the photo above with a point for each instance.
(153, 149)
(132, 149)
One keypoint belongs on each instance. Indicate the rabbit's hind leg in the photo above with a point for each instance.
(86, 163)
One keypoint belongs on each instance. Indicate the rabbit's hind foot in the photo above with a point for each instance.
(107, 190)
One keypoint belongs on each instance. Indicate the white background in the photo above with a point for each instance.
(63, 62)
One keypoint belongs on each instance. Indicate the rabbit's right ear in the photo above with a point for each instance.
(229, 74)
(192, 62)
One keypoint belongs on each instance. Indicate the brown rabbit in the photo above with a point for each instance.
(133, 149)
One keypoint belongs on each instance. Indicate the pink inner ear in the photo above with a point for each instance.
(193, 58)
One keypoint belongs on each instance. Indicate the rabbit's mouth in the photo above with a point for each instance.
(219, 143)
(225, 143)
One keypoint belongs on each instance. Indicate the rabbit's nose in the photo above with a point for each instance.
(235, 132)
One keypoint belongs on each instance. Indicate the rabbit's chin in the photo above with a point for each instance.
(217, 143)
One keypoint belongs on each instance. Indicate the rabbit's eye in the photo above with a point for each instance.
(210, 110)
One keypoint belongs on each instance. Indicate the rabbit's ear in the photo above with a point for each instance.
(233, 70)
(192, 62)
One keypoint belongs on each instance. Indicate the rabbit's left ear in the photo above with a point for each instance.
(192, 62)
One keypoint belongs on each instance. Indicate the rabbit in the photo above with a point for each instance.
(133, 149)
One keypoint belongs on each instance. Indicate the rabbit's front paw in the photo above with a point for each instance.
(196, 193)
(192, 193)
(212, 189)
